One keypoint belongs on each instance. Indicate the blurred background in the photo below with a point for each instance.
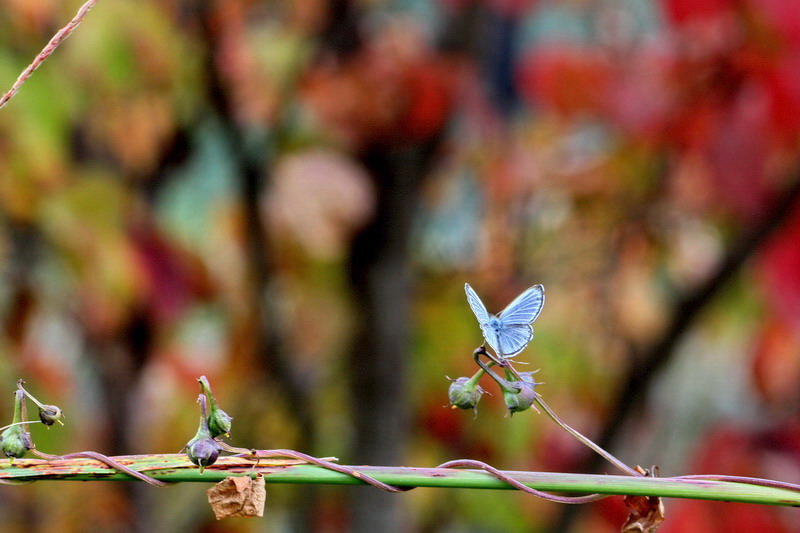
(288, 197)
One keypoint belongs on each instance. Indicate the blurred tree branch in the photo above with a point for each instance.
(252, 172)
(646, 366)
(380, 273)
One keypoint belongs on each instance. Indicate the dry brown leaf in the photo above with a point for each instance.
(646, 512)
(240, 496)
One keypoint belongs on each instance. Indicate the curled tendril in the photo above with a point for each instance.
(257, 455)
(106, 460)
(369, 480)
(744, 479)
(471, 463)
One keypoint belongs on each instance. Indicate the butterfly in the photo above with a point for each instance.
(509, 332)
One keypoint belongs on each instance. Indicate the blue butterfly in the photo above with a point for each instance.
(509, 332)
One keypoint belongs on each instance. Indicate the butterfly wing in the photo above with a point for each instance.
(513, 339)
(524, 309)
(477, 306)
(492, 338)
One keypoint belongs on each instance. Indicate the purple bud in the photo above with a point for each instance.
(202, 451)
(464, 393)
(523, 399)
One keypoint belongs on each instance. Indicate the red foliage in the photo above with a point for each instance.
(782, 83)
(389, 92)
(428, 100)
(731, 452)
(445, 425)
(737, 153)
(569, 79)
(780, 267)
(776, 364)
(684, 11)
(171, 279)
(782, 16)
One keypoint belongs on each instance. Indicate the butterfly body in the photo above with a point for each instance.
(509, 332)
(495, 324)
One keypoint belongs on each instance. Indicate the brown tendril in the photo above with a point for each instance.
(471, 463)
(106, 460)
(743, 479)
(263, 454)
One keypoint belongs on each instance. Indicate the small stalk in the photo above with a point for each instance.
(586, 440)
(473, 381)
(504, 384)
(26, 422)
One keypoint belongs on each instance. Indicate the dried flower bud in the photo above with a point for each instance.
(464, 393)
(50, 414)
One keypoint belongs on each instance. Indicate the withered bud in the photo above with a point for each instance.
(50, 414)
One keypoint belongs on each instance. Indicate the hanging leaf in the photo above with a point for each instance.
(240, 496)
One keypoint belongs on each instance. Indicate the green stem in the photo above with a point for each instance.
(19, 402)
(26, 422)
(176, 468)
(504, 385)
(30, 396)
(473, 381)
(205, 386)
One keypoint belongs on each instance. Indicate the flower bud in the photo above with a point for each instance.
(202, 451)
(464, 393)
(50, 414)
(15, 440)
(521, 395)
(219, 422)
